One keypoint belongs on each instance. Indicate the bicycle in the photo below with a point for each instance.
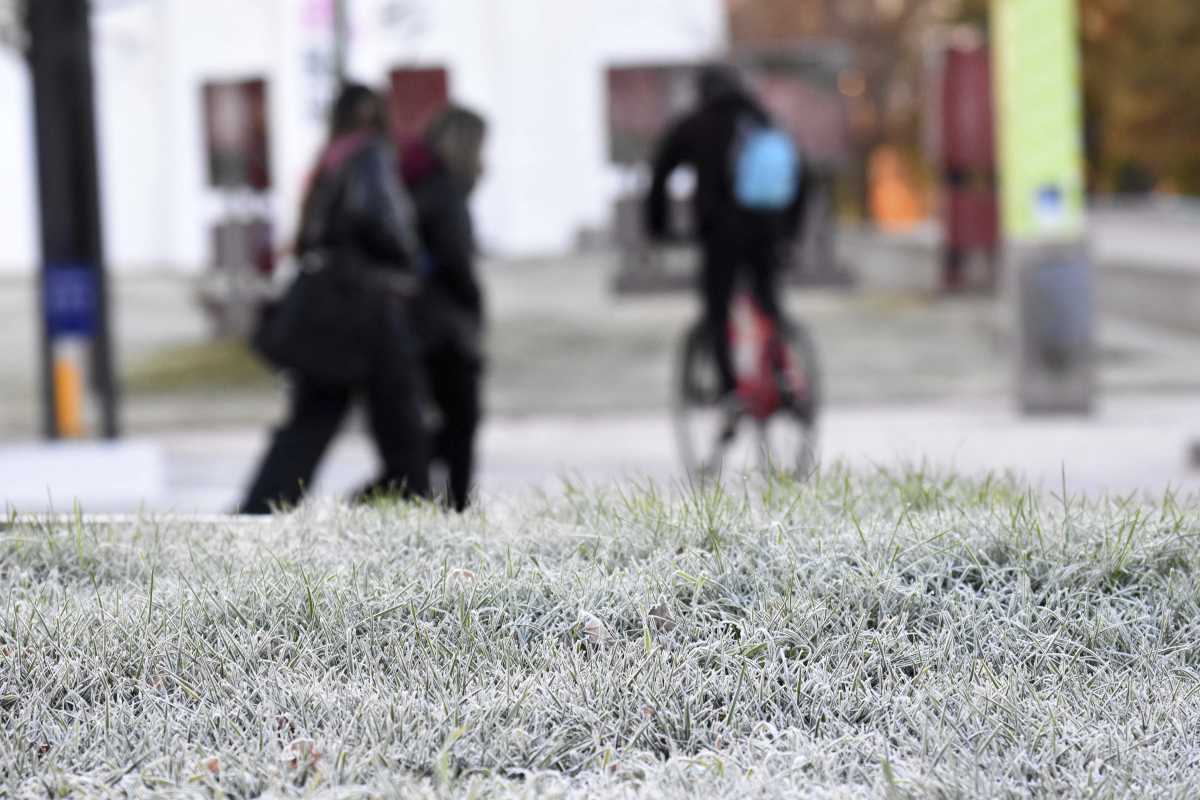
(778, 386)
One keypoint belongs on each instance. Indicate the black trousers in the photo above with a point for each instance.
(739, 245)
(393, 395)
(455, 383)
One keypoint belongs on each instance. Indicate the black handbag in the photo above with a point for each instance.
(324, 327)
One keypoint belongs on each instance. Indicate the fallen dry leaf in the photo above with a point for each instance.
(594, 629)
(460, 576)
(661, 619)
(300, 751)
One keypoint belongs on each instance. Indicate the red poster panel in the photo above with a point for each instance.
(416, 97)
(813, 114)
(642, 100)
(967, 133)
(237, 135)
(972, 218)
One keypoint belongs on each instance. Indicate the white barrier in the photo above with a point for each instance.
(99, 476)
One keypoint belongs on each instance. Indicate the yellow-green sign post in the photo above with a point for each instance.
(1043, 199)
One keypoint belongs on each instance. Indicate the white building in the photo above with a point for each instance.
(536, 68)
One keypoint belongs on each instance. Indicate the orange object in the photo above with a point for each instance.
(68, 398)
(896, 202)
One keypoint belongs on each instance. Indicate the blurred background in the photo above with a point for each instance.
(126, 384)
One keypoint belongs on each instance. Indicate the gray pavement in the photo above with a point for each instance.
(1134, 444)
(562, 343)
(1146, 255)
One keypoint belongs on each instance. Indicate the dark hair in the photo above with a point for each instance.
(717, 79)
(456, 136)
(455, 120)
(357, 107)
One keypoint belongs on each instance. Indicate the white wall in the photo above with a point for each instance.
(130, 74)
(18, 203)
(534, 67)
(217, 40)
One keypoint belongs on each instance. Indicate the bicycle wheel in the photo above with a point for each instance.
(705, 446)
(788, 437)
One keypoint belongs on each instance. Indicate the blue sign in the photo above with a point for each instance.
(71, 300)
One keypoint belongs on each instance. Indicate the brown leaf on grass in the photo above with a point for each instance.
(661, 619)
(460, 576)
(594, 629)
(213, 765)
(300, 751)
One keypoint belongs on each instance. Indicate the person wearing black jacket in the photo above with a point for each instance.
(358, 218)
(441, 171)
(733, 239)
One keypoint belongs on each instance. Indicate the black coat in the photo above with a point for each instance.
(451, 310)
(356, 207)
(343, 321)
(704, 140)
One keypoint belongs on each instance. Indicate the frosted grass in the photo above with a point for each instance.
(884, 635)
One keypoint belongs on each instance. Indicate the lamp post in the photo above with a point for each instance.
(76, 348)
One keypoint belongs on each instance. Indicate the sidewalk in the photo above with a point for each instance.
(561, 343)
(579, 380)
(1134, 444)
(1145, 255)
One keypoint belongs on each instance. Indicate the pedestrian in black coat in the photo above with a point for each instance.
(441, 171)
(357, 217)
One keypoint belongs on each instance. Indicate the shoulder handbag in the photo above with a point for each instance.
(323, 327)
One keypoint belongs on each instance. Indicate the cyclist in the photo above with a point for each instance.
(737, 234)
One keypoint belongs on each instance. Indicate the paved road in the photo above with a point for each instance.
(1133, 444)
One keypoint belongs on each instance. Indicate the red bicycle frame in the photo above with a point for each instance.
(764, 365)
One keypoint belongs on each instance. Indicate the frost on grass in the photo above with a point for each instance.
(887, 635)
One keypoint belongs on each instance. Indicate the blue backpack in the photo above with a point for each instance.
(766, 168)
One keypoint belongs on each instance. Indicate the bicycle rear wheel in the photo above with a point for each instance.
(783, 440)
(788, 437)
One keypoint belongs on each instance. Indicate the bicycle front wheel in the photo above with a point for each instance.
(710, 442)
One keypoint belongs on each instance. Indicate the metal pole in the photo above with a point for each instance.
(69, 200)
(341, 41)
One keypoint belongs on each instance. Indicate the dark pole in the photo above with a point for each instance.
(69, 193)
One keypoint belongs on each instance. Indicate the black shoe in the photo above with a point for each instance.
(732, 409)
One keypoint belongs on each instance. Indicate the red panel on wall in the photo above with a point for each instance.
(814, 115)
(967, 121)
(237, 134)
(972, 218)
(642, 100)
(417, 95)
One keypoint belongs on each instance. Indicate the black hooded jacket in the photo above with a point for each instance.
(704, 140)
(452, 303)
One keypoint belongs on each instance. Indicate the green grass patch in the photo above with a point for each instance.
(892, 635)
(204, 366)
